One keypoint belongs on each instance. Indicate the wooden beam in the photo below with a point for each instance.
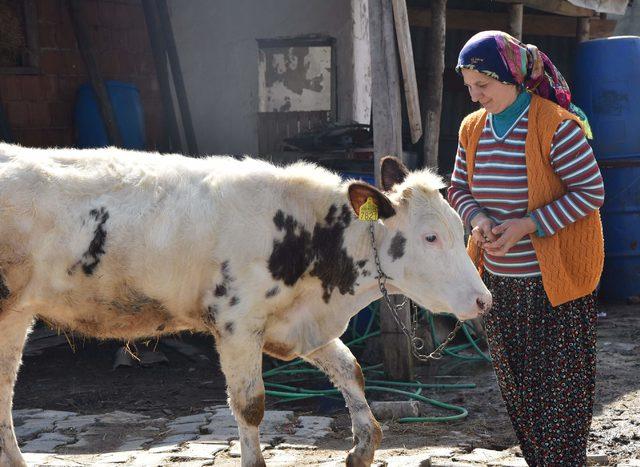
(172, 141)
(516, 11)
(433, 91)
(387, 139)
(537, 25)
(558, 7)
(403, 36)
(583, 29)
(95, 77)
(176, 72)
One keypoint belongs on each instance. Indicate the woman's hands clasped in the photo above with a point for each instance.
(497, 240)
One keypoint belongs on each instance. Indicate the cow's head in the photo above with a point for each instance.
(422, 247)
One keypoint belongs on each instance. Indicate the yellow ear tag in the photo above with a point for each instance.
(368, 211)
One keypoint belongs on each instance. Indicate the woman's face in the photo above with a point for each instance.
(490, 93)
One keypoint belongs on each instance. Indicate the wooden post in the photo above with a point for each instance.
(5, 129)
(516, 11)
(176, 71)
(403, 35)
(173, 142)
(435, 72)
(387, 139)
(84, 44)
(583, 29)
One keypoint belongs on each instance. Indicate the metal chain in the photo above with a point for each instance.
(417, 343)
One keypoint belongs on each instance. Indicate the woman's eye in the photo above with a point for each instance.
(430, 238)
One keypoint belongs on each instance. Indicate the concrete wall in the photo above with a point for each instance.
(219, 55)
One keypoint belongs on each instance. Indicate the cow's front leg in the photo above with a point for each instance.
(241, 362)
(13, 332)
(337, 361)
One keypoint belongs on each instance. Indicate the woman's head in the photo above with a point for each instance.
(495, 96)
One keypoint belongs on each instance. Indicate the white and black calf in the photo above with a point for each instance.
(122, 244)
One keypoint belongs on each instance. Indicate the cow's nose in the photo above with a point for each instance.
(484, 303)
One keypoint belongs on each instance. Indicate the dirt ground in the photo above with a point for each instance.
(83, 381)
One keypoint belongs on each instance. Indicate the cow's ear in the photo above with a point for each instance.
(392, 172)
(359, 194)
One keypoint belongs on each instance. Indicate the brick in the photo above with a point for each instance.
(90, 12)
(33, 88)
(52, 62)
(49, 10)
(18, 114)
(39, 116)
(109, 63)
(66, 38)
(138, 40)
(74, 64)
(29, 137)
(47, 36)
(61, 114)
(107, 15)
(10, 88)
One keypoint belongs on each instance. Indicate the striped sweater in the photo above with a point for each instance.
(500, 187)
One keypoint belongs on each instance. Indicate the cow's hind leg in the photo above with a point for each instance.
(14, 327)
(241, 362)
(337, 361)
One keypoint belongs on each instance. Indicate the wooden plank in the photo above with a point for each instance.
(171, 141)
(516, 11)
(536, 25)
(95, 77)
(387, 139)
(558, 7)
(434, 86)
(403, 36)
(583, 30)
(176, 72)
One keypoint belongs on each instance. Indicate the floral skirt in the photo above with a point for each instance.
(545, 362)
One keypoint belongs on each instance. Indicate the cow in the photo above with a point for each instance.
(112, 243)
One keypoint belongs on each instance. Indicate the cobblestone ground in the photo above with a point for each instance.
(55, 438)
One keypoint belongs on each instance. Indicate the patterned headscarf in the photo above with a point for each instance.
(503, 57)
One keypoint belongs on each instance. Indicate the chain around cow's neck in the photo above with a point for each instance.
(417, 343)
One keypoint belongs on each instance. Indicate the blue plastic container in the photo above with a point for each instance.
(606, 87)
(621, 225)
(90, 128)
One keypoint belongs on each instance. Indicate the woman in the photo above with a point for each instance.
(527, 185)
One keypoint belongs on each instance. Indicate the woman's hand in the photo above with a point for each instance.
(481, 231)
(510, 232)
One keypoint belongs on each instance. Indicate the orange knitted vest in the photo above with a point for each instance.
(571, 260)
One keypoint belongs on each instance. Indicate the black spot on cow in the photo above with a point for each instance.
(323, 250)
(222, 289)
(362, 263)
(365, 273)
(332, 265)
(396, 249)
(272, 292)
(4, 290)
(292, 255)
(234, 301)
(229, 327)
(91, 257)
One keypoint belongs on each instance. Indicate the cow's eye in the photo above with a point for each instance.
(430, 238)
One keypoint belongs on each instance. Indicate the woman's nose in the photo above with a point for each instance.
(474, 95)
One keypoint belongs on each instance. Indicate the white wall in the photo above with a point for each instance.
(216, 41)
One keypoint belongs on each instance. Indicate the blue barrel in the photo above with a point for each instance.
(621, 225)
(90, 128)
(606, 87)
